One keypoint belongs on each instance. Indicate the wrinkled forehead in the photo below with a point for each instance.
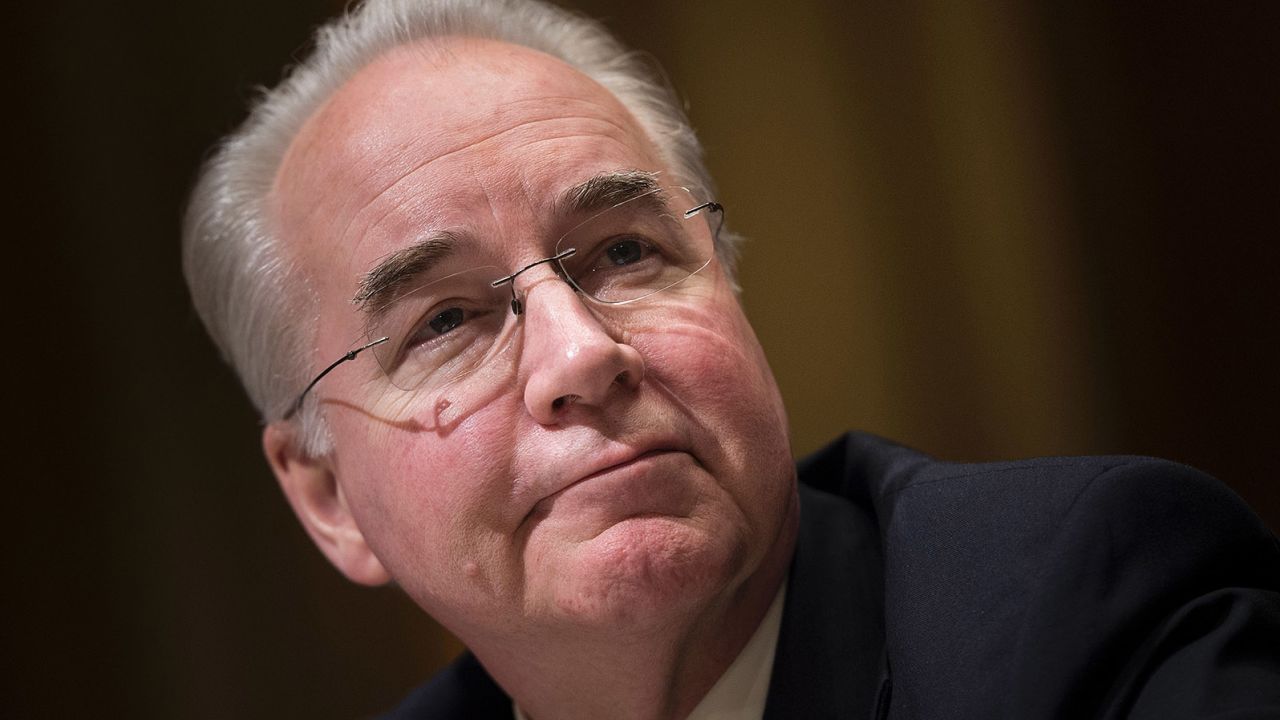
(426, 127)
(438, 136)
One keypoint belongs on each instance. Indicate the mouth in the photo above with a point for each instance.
(636, 457)
(613, 469)
(649, 482)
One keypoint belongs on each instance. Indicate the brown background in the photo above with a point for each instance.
(986, 228)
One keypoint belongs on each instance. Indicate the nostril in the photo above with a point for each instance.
(622, 378)
(563, 400)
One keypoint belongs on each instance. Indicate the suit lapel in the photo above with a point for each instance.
(830, 661)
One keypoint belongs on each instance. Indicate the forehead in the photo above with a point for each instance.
(443, 136)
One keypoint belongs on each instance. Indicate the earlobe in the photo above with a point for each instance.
(316, 496)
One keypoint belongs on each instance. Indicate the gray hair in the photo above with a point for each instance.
(252, 298)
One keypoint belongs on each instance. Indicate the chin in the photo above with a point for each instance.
(646, 572)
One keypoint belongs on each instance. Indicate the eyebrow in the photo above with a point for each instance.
(383, 285)
(605, 190)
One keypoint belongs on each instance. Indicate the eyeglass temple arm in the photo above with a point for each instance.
(711, 205)
(297, 404)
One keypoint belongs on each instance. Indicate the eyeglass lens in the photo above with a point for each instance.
(453, 327)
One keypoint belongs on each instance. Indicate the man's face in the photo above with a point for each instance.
(628, 464)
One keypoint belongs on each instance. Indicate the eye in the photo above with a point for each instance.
(445, 321)
(626, 251)
(440, 326)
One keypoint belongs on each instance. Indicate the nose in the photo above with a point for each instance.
(569, 357)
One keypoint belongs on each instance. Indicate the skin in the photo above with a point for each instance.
(606, 525)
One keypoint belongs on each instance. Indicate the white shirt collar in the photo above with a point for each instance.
(742, 690)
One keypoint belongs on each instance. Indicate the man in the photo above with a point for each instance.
(471, 269)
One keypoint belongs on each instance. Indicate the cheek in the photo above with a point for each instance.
(424, 500)
(708, 356)
(709, 362)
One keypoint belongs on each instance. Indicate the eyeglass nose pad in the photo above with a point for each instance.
(517, 307)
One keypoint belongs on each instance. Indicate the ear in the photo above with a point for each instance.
(312, 489)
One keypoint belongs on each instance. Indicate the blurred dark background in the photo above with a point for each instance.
(985, 228)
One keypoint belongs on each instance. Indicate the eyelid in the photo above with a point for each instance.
(470, 310)
(438, 280)
(405, 317)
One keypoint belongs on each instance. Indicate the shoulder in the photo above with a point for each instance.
(463, 690)
(1057, 582)
(1122, 499)
(988, 528)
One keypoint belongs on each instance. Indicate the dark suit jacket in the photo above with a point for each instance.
(1049, 588)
